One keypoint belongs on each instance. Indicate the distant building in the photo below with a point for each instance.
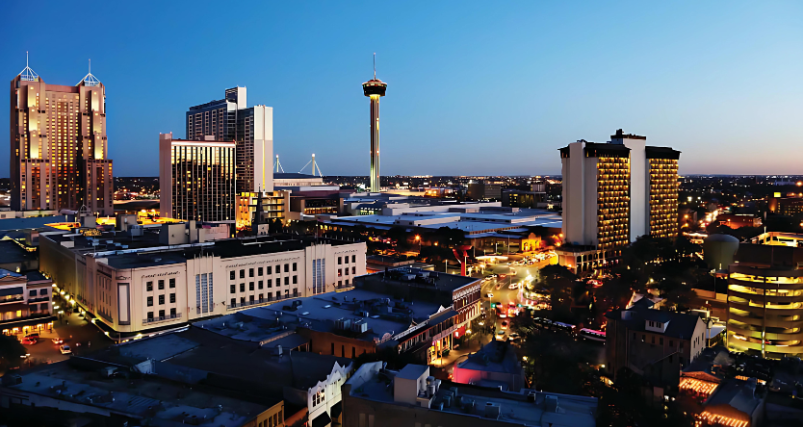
(495, 365)
(59, 150)
(524, 199)
(275, 206)
(734, 403)
(375, 396)
(25, 302)
(615, 192)
(738, 220)
(197, 179)
(139, 280)
(484, 191)
(251, 128)
(296, 180)
(786, 206)
(652, 342)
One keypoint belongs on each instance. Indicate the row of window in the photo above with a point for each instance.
(261, 271)
(32, 292)
(268, 297)
(162, 300)
(353, 259)
(260, 284)
(162, 314)
(161, 284)
(340, 271)
(273, 421)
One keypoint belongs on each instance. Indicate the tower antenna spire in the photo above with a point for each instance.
(374, 65)
(26, 59)
(90, 65)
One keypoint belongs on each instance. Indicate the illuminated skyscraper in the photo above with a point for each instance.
(230, 119)
(58, 145)
(197, 179)
(373, 89)
(613, 193)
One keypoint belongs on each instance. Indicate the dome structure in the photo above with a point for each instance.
(719, 251)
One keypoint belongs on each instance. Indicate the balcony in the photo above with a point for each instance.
(161, 318)
(8, 299)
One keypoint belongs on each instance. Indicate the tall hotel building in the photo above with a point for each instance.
(613, 193)
(251, 128)
(197, 179)
(59, 150)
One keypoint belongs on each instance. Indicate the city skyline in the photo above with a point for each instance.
(688, 78)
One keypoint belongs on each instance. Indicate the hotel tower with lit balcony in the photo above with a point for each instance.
(613, 193)
(374, 89)
(58, 146)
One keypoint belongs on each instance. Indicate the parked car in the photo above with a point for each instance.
(34, 336)
(57, 341)
(65, 349)
(28, 341)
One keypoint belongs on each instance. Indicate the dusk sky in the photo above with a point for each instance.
(475, 88)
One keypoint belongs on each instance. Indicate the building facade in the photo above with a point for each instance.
(197, 179)
(25, 302)
(157, 285)
(230, 119)
(617, 191)
(650, 341)
(58, 146)
(765, 297)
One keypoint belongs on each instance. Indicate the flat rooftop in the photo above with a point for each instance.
(164, 402)
(572, 411)
(471, 222)
(121, 251)
(386, 316)
(11, 252)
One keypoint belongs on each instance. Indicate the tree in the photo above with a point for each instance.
(10, 351)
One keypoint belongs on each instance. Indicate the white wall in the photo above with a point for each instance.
(639, 197)
(263, 148)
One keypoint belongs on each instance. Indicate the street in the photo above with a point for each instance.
(79, 334)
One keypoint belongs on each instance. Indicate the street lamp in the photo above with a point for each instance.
(418, 239)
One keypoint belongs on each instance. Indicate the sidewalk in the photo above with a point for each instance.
(458, 355)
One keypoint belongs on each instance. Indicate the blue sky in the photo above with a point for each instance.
(474, 87)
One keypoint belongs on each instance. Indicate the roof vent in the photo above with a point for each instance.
(492, 410)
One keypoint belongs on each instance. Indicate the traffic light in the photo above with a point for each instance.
(493, 305)
(518, 305)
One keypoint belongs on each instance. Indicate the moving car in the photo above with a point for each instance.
(504, 324)
(513, 286)
(490, 295)
(28, 341)
(501, 333)
(57, 341)
(65, 349)
(34, 336)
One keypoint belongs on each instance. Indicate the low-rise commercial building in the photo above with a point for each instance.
(653, 342)
(738, 220)
(407, 310)
(484, 190)
(84, 390)
(524, 199)
(138, 282)
(375, 396)
(25, 302)
(787, 206)
(495, 365)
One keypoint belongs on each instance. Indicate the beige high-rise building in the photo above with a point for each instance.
(59, 150)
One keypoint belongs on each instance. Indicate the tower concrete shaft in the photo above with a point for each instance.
(374, 89)
(375, 183)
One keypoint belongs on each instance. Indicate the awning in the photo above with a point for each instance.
(322, 420)
(337, 409)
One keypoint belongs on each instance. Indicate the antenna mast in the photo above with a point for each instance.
(374, 65)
